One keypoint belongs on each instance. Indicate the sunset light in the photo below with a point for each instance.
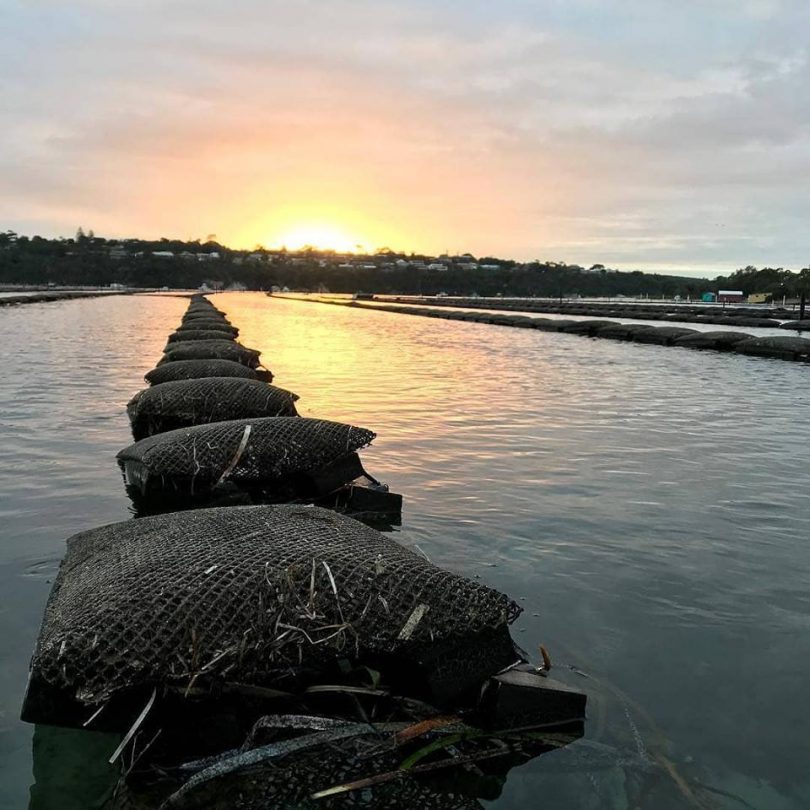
(307, 218)
(321, 236)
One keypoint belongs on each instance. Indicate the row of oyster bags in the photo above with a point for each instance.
(166, 624)
(211, 429)
(259, 596)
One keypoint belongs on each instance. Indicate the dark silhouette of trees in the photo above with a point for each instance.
(773, 280)
(89, 260)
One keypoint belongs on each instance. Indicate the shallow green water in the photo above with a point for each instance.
(647, 506)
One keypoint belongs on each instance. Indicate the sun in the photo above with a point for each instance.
(322, 236)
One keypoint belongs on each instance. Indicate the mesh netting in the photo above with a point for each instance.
(183, 403)
(289, 781)
(208, 325)
(287, 760)
(252, 452)
(243, 594)
(196, 308)
(197, 334)
(211, 350)
(190, 317)
(193, 369)
(202, 313)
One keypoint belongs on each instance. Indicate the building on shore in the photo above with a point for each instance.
(730, 296)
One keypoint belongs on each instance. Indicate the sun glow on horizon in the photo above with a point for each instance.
(321, 236)
(339, 225)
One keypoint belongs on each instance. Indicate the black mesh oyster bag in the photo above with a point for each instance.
(208, 325)
(211, 350)
(271, 454)
(183, 403)
(203, 310)
(201, 303)
(194, 369)
(199, 334)
(255, 595)
(274, 769)
(199, 315)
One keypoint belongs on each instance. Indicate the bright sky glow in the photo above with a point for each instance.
(322, 236)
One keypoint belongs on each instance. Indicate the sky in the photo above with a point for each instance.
(641, 134)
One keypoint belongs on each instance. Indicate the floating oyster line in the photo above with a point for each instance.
(280, 608)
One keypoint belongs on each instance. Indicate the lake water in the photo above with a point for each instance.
(648, 507)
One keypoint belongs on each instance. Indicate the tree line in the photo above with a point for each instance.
(91, 260)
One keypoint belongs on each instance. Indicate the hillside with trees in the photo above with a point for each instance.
(88, 260)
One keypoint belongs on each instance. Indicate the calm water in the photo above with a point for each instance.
(648, 505)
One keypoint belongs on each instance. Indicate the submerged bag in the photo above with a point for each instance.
(184, 403)
(245, 452)
(193, 369)
(211, 350)
(244, 595)
(287, 771)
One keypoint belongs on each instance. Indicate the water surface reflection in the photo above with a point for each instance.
(647, 506)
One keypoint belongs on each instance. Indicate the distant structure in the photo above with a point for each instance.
(730, 296)
(760, 298)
